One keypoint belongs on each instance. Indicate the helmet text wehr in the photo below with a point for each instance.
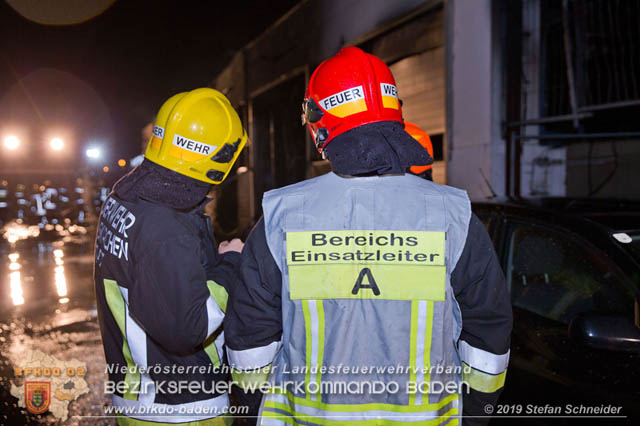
(193, 146)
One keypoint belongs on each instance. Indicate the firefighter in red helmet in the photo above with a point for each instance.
(366, 93)
(351, 299)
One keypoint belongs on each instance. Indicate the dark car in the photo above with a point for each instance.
(573, 270)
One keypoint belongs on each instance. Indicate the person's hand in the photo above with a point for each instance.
(234, 245)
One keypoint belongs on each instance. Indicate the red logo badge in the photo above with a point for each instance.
(37, 396)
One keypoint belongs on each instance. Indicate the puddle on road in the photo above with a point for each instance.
(48, 305)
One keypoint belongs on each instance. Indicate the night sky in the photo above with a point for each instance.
(103, 80)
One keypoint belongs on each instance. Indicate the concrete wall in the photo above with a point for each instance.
(474, 99)
(309, 33)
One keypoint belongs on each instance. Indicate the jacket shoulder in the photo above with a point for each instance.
(439, 189)
(298, 187)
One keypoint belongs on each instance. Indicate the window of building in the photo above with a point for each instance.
(589, 66)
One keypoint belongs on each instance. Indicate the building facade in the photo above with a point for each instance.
(517, 95)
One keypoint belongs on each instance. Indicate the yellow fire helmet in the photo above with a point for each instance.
(197, 134)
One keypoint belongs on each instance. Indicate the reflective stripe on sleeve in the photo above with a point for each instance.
(219, 294)
(214, 316)
(483, 361)
(481, 381)
(251, 379)
(216, 307)
(250, 359)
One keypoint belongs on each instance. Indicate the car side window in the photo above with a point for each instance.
(556, 276)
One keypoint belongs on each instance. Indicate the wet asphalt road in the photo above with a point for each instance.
(48, 304)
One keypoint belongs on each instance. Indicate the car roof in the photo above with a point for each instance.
(613, 214)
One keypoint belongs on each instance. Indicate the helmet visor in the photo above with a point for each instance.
(311, 112)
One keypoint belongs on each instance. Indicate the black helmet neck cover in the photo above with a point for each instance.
(160, 185)
(376, 149)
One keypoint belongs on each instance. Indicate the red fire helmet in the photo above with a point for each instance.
(348, 90)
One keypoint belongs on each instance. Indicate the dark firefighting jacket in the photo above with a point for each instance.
(161, 294)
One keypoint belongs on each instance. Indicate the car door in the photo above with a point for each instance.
(554, 276)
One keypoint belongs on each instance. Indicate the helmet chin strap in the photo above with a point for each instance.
(321, 136)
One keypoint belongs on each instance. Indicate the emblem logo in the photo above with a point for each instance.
(37, 396)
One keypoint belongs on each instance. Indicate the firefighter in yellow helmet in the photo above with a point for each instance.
(161, 281)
